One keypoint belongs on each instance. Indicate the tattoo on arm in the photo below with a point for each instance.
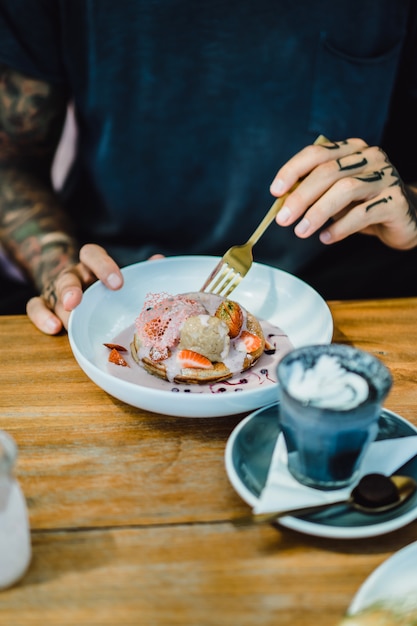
(33, 226)
(34, 229)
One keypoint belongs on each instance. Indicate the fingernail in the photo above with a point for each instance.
(52, 325)
(283, 215)
(325, 236)
(114, 281)
(66, 298)
(277, 186)
(302, 227)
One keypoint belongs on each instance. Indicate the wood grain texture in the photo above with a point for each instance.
(388, 329)
(203, 574)
(131, 512)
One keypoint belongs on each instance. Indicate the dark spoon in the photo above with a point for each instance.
(374, 493)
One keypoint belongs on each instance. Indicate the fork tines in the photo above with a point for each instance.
(225, 280)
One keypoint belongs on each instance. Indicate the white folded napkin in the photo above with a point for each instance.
(282, 491)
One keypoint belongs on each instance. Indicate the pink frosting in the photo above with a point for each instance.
(162, 316)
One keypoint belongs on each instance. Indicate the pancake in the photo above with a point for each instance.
(195, 338)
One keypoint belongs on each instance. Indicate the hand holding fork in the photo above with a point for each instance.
(237, 261)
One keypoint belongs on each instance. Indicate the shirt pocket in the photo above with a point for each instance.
(351, 95)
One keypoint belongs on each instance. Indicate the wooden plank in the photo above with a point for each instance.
(192, 575)
(388, 329)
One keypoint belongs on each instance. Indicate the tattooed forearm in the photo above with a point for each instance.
(32, 115)
(33, 227)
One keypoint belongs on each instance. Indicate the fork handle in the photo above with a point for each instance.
(269, 217)
(273, 211)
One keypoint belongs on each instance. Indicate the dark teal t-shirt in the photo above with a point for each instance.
(186, 110)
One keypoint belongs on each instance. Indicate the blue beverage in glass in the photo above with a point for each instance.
(330, 401)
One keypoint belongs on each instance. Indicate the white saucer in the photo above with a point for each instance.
(394, 582)
(248, 455)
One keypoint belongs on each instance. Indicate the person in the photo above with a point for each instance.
(185, 114)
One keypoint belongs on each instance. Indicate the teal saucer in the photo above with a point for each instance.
(248, 456)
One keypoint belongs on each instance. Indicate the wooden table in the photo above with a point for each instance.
(131, 511)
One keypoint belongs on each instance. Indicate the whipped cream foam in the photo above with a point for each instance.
(327, 384)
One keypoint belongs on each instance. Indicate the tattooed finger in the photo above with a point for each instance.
(50, 296)
(333, 145)
(352, 162)
(388, 171)
(371, 177)
(372, 205)
(337, 145)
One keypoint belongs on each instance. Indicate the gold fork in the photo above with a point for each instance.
(237, 261)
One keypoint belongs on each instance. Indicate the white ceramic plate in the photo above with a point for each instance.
(394, 582)
(270, 294)
(248, 456)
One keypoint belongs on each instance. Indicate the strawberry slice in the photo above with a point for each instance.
(189, 358)
(116, 346)
(116, 358)
(252, 342)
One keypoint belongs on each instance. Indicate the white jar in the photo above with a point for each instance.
(15, 545)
